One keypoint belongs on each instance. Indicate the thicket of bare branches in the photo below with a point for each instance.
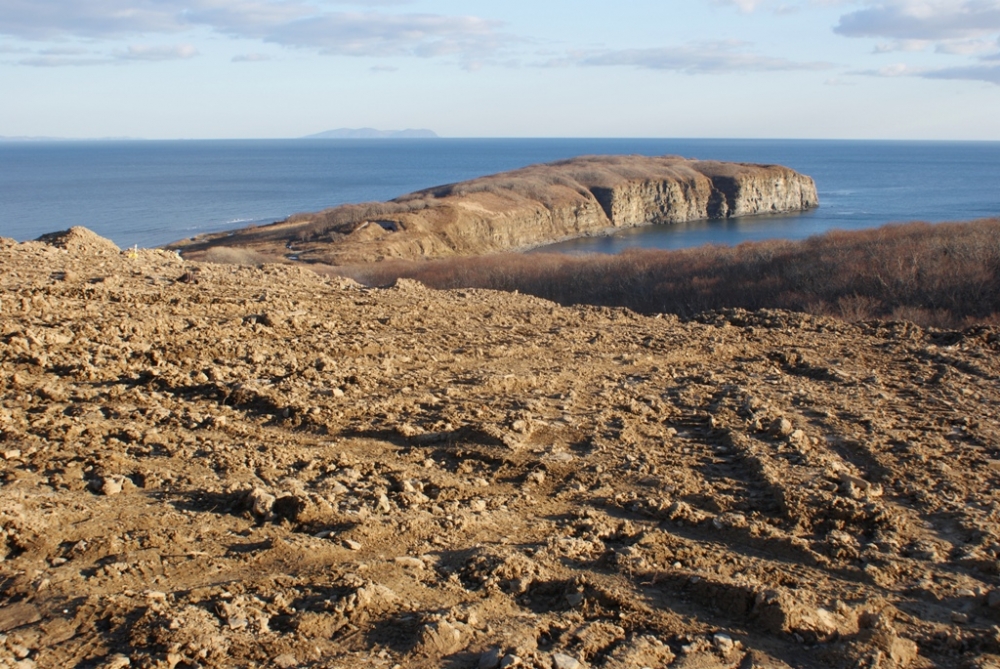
(943, 275)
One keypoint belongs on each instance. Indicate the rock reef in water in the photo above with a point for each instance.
(528, 207)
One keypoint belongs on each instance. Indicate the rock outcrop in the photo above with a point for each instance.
(532, 206)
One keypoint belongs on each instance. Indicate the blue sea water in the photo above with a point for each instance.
(153, 192)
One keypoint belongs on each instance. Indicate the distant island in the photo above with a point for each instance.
(372, 133)
(532, 206)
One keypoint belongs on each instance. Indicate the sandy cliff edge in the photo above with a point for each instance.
(528, 207)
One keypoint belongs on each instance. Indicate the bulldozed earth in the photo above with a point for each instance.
(223, 466)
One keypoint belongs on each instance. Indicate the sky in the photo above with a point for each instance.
(199, 69)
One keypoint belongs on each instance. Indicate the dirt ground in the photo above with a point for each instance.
(220, 466)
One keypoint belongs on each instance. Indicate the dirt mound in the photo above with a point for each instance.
(214, 466)
(80, 239)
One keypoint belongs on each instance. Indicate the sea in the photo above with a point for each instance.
(150, 193)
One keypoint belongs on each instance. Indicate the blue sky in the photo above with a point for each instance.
(892, 69)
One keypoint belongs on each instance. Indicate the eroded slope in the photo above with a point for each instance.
(219, 466)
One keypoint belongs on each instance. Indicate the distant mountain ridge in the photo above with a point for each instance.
(372, 133)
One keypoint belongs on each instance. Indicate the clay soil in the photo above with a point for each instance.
(221, 466)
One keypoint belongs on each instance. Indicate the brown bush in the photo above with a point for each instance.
(230, 256)
(943, 275)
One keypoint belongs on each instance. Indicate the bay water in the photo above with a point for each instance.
(149, 193)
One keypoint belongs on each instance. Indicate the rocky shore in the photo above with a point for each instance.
(528, 207)
(215, 466)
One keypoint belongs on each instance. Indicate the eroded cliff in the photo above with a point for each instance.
(535, 205)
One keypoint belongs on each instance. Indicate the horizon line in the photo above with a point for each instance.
(39, 139)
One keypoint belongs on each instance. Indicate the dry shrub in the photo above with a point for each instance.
(943, 275)
(231, 256)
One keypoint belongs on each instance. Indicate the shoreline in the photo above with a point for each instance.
(864, 184)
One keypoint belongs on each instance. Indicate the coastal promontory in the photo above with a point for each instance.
(520, 209)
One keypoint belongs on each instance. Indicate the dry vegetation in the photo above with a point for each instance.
(943, 275)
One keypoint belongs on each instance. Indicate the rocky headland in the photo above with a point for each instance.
(515, 210)
(213, 466)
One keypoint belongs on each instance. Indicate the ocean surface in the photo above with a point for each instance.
(151, 193)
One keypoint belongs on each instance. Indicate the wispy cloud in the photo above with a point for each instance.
(923, 20)
(34, 19)
(252, 58)
(290, 23)
(718, 57)
(986, 72)
(79, 57)
(902, 45)
(892, 71)
(959, 28)
(778, 7)
(970, 47)
(157, 53)
(376, 34)
(745, 6)
(66, 51)
(61, 61)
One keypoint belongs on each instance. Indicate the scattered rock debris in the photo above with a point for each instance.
(267, 468)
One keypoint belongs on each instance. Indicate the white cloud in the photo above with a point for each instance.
(157, 53)
(982, 72)
(699, 58)
(65, 51)
(251, 58)
(894, 70)
(291, 23)
(61, 61)
(979, 72)
(923, 19)
(902, 45)
(78, 57)
(966, 28)
(745, 6)
(45, 19)
(778, 7)
(375, 34)
(970, 47)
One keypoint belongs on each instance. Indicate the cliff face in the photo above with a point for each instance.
(535, 205)
(712, 191)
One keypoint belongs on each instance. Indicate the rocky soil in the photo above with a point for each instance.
(221, 466)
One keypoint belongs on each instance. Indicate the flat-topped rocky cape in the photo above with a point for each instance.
(528, 207)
